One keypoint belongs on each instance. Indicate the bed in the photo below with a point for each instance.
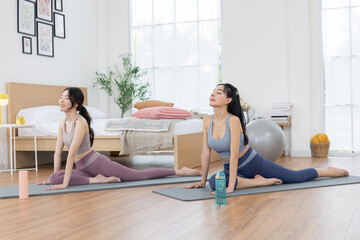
(187, 146)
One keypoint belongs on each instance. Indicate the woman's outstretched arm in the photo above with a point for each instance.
(205, 155)
(235, 132)
(59, 147)
(58, 152)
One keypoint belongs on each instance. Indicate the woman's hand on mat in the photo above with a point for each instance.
(229, 190)
(196, 185)
(58, 186)
(45, 182)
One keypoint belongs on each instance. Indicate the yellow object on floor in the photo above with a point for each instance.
(320, 138)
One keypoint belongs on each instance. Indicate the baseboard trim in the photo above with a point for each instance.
(301, 153)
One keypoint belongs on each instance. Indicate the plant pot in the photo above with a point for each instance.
(320, 149)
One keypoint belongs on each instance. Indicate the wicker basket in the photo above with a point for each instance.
(320, 149)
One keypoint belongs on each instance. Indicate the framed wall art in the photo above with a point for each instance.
(26, 17)
(59, 25)
(58, 5)
(45, 39)
(27, 45)
(44, 10)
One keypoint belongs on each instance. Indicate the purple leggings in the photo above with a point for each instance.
(95, 163)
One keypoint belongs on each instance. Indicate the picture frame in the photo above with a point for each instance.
(59, 25)
(26, 17)
(44, 10)
(58, 5)
(27, 45)
(45, 39)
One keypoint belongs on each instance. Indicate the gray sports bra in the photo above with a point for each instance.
(67, 139)
(222, 146)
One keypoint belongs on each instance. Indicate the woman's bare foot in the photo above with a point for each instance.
(188, 172)
(267, 181)
(102, 179)
(337, 172)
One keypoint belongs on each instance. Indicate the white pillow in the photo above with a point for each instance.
(43, 114)
(52, 113)
(95, 113)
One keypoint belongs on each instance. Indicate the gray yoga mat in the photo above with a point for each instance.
(204, 193)
(36, 190)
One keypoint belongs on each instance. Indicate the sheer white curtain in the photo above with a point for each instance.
(341, 41)
(178, 42)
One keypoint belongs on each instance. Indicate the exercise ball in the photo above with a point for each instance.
(266, 138)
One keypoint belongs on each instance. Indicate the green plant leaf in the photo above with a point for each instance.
(125, 87)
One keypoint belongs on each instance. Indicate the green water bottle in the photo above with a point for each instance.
(220, 189)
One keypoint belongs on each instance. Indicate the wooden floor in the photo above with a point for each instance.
(137, 213)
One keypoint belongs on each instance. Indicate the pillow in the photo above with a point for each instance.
(52, 113)
(95, 113)
(152, 103)
(43, 114)
(162, 113)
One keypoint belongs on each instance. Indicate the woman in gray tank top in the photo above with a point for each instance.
(91, 167)
(225, 132)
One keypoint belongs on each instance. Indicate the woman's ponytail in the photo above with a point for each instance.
(234, 106)
(83, 112)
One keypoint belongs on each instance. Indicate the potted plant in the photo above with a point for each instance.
(124, 86)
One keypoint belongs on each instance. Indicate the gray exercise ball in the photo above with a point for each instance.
(266, 138)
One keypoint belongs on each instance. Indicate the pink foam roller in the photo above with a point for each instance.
(23, 185)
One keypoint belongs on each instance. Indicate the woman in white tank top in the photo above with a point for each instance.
(91, 167)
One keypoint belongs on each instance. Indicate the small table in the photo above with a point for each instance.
(12, 143)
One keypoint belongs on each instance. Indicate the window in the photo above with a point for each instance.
(341, 47)
(179, 43)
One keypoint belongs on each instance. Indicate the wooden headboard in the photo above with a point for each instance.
(25, 95)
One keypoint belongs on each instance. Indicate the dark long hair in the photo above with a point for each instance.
(77, 96)
(234, 107)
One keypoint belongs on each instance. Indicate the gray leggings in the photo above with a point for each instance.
(95, 163)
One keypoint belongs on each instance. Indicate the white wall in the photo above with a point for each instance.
(96, 30)
(75, 60)
(271, 52)
(316, 70)
(114, 39)
(255, 51)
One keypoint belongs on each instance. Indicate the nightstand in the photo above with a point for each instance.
(12, 145)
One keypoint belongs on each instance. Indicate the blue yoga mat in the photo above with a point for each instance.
(204, 193)
(36, 190)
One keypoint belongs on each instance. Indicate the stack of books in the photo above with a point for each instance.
(281, 112)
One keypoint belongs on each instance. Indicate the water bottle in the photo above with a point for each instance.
(220, 189)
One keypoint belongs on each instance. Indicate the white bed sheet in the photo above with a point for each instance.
(51, 129)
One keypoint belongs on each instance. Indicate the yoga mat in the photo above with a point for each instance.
(36, 190)
(203, 193)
